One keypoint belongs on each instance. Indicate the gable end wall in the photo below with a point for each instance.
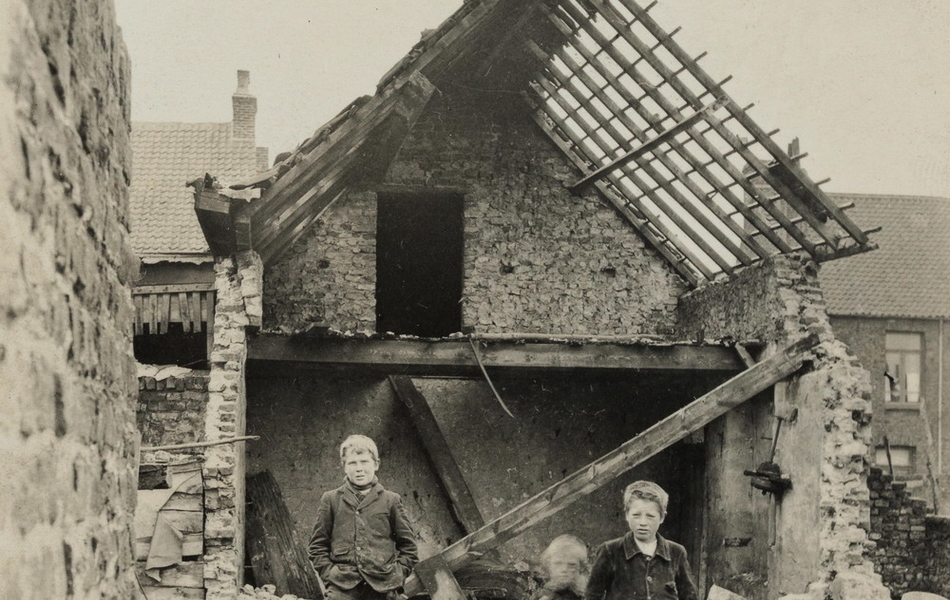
(537, 259)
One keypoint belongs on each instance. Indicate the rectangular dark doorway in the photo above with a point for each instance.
(419, 249)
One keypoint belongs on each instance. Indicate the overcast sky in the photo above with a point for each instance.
(865, 84)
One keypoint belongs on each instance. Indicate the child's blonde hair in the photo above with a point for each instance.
(646, 490)
(567, 546)
(358, 444)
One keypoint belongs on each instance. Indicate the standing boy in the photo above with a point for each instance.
(642, 564)
(362, 545)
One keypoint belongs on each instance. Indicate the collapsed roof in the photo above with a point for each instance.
(644, 124)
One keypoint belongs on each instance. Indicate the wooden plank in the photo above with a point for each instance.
(695, 164)
(743, 119)
(440, 453)
(188, 502)
(633, 452)
(421, 357)
(656, 220)
(150, 310)
(171, 593)
(619, 203)
(196, 310)
(184, 312)
(438, 580)
(648, 146)
(137, 301)
(272, 543)
(718, 157)
(166, 289)
(616, 21)
(681, 202)
(192, 544)
(189, 574)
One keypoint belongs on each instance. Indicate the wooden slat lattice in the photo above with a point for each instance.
(668, 147)
(155, 311)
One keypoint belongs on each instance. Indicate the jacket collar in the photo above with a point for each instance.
(630, 548)
(349, 494)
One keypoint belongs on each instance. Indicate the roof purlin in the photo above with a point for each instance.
(836, 237)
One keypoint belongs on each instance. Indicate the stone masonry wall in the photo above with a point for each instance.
(536, 259)
(67, 437)
(172, 410)
(237, 307)
(912, 550)
(779, 302)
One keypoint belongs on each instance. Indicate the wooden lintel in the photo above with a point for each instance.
(657, 438)
(649, 145)
(454, 357)
(440, 454)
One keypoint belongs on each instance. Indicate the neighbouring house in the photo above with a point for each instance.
(550, 255)
(890, 307)
(174, 297)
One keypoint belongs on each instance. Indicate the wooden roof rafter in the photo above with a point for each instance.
(642, 120)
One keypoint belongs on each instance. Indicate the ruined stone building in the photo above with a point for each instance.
(537, 240)
(531, 266)
(889, 306)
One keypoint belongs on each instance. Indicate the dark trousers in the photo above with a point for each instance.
(362, 591)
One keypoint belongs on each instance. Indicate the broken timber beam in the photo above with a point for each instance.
(454, 357)
(657, 438)
(463, 503)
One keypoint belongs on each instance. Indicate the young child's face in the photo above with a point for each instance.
(360, 467)
(644, 518)
(563, 571)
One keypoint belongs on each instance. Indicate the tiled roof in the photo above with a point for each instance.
(164, 157)
(908, 276)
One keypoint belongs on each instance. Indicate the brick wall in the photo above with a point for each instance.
(536, 259)
(172, 410)
(68, 429)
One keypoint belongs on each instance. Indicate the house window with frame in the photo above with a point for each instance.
(904, 354)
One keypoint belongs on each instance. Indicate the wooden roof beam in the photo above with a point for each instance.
(605, 469)
(454, 357)
(437, 447)
(657, 239)
(695, 165)
(720, 159)
(677, 51)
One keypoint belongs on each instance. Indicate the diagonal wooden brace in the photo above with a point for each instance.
(662, 435)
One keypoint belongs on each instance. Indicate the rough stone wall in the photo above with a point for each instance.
(172, 410)
(536, 259)
(67, 436)
(237, 306)
(328, 276)
(779, 302)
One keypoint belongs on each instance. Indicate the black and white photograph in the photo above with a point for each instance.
(474, 300)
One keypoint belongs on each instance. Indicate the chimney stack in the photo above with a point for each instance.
(245, 108)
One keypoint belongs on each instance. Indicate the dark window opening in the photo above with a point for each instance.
(176, 347)
(419, 245)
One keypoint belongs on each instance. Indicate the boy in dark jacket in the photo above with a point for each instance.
(642, 564)
(362, 544)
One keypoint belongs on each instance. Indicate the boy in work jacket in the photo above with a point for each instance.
(641, 565)
(362, 544)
